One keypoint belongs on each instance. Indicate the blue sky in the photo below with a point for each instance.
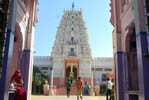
(96, 14)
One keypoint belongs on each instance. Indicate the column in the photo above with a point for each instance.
(92, 83)
(119, 57)
(26, 69)
(9, 42)
(142, 49)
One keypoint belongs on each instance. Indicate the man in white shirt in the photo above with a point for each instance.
(109, 88)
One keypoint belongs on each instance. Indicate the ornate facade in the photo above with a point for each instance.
(131, 52)
(17, 42)
(71, 47)
(71, 54)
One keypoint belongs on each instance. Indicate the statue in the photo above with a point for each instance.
(46, 88)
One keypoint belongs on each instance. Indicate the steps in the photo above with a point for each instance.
(62, 91)
(74, 90)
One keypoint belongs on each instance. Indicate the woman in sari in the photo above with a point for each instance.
(17, 81)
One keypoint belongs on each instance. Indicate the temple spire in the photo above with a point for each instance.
(72, 5)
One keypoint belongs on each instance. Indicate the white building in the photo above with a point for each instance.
(100, 66)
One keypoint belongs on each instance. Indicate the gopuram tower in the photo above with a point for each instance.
(71, 53)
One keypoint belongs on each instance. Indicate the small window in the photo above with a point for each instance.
(72, 38)
(104, 77)
(72, 29)
(133, 45)
(72, 16)
(72, 49)
(72, 22)
(108, 69)
(44, 68)
(24, 1)
(99, 69)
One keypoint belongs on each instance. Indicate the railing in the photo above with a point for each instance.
(72, 42)
(72, 54)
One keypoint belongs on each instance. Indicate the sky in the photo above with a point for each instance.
(96, 14)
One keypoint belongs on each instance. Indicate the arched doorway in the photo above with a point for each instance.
(73, 74)
(72, 69)
(17, 49)
(131, 67)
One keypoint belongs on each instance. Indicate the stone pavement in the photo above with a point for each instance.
(42, 97)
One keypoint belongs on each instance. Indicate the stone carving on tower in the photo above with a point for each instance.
(71, 47)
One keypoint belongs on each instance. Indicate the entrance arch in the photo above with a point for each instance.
(17, 49)
(131, 67)
(75, 68)
(72, 74)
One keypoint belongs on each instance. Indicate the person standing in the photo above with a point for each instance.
(86, 88)
(109, 89)
(79, 85)
(68, 86)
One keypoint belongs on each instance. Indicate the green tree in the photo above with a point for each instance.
(37, 84)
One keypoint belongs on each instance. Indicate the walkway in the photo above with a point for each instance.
(41, 97)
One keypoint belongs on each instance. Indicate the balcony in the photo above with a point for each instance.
(72, 54)
(72, 42)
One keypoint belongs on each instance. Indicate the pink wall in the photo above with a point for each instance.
(17, 49)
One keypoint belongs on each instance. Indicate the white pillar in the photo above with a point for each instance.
(92, 83)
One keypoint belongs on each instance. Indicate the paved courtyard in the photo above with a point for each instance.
(41, 97)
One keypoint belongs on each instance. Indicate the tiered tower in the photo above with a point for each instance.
(71, 53)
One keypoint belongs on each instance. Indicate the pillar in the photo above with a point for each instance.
(9, 42)
(92, 83)
(26, 69)
(142, 49)
(119, 57)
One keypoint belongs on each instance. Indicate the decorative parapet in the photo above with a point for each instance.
(112, 13)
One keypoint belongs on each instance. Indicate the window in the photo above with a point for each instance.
(44, 68)
(72, 29)
(72, 16)
(123, 4)
(72, 22)
(72, 49)
(104, 77)
(24, 1)
(132, 45)
(108, 69)
(72, 38)
(99, 69)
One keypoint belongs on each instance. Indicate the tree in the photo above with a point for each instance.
(38, 83)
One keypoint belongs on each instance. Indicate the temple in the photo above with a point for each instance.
(71, 54)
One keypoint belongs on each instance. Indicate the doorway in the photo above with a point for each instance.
(72, 74)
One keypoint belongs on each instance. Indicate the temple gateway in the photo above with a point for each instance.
(71, 54)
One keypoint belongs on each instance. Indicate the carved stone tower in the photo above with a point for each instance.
(71, 53)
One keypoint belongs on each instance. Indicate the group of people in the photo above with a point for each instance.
(87, 88)
(79, 86)
(16, 82)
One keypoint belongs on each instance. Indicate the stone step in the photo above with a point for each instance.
(62, 91)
